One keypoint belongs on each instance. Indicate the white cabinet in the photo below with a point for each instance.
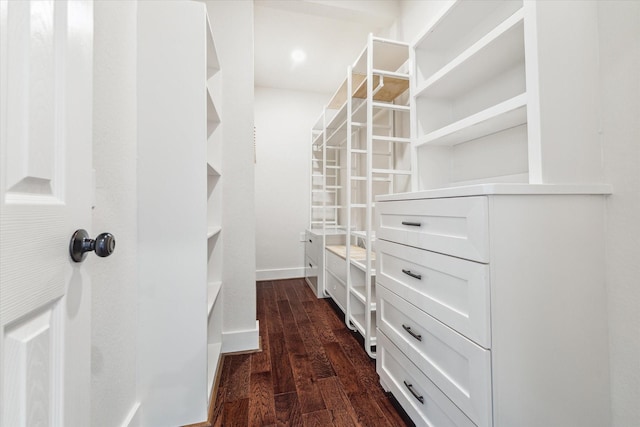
(519, 330)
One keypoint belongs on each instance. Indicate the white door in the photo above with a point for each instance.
(45, 194)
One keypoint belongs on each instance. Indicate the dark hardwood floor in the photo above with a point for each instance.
(312, 371)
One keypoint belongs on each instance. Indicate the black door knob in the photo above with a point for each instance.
(81, 243)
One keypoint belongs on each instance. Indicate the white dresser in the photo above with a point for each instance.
(492, 306)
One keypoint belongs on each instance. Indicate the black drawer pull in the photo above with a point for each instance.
(413, 224)
(413, 334)
(415, 394)
(310, 241)
(310, 265)
(414, 275)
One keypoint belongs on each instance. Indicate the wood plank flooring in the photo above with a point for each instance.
(312, 371)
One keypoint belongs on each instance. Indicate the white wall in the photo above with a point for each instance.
(232, 26)
(283, 130)
(114, 279)
(619, 30)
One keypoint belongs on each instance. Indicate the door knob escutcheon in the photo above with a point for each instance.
(81, 243)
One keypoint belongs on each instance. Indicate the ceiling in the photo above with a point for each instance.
(331, 33)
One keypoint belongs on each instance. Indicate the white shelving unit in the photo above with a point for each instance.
(378, 82)
(491, 102)
(214, 211)
(505, 222)
(364, 146)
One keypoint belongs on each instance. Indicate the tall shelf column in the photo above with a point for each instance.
(214, 211)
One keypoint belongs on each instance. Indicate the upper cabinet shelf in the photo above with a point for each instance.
(496, 52)
(506, 91)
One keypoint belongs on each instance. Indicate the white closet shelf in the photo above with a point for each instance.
(387, 86)
(360, 264)
(391, 171)
(213, 290)
(391, 139)
(213, 64)
(500, 49)
(363, 234)
(507, 114)
(375, 179)
(213, 170)
(213, 231)
(395, 107)
(360, 293)
(213, 118)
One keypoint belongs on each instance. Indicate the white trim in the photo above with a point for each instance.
(280, 273)
(133, 417)
(246, 340)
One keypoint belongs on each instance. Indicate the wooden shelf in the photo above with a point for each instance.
(505, 115)
(500, 49)
(392, 87)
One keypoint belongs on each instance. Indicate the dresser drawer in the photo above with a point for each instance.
(337, 289)
(336, 265)
(312, 242)
(419, 397)
(456, 226)
(453, 290)
(456, 365)
(311, 273)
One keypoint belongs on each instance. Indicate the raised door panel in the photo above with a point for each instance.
(453, 290)
(423, 401)
(456, 226)
(45, 195)
(456, 365)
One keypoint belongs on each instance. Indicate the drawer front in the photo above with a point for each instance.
(337, 266)
(453, 290)
(422, 401)
(311, 273)
(337, 289)
(311, 246)
(455, 226)
(456, 365)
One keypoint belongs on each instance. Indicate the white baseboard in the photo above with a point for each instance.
(247, 340)
(133, 418)
(280, 273)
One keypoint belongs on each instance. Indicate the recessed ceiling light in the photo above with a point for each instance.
(298, 55)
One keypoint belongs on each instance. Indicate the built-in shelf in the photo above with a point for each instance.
(505, 115)
(360, 293)
(500, 49)
(213, 118)
(213, 231)
(213, 170)
(213, 290)
(213, 64)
